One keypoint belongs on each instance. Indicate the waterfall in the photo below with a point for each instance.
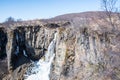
(51, 49)
(17, 50)
(41, 69)
(25, 53)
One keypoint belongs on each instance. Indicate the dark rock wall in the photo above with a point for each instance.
(3, 42)
(3, 59)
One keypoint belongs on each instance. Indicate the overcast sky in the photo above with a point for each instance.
(37, 9)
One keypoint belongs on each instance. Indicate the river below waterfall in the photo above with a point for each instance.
(40, 70)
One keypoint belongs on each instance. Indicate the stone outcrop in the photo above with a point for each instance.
(86, 55)
(84, 50)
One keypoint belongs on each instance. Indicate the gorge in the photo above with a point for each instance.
(79, 46)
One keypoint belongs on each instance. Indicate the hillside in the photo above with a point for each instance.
(86, 46)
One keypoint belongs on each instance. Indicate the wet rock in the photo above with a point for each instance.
(3, 68)
(3, 42)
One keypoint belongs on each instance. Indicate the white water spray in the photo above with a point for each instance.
(41, 69)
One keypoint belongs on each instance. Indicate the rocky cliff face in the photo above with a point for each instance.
(83, 52)
(86, 55)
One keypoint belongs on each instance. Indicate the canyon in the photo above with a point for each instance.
(86, 47)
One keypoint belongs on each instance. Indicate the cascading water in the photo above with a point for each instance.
(41, 69)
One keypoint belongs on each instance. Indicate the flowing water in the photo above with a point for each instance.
(40, 70)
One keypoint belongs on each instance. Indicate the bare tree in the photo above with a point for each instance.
(19, 20)
(10, 20)
(111, 10)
